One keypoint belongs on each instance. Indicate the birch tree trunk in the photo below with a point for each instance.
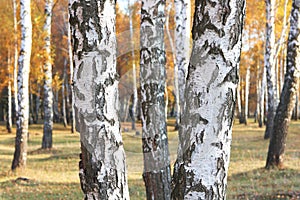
(96, 100)
(64, 109)
(135, 96)
(261, 114)
(37, 102)
(247, 88)
(9, 96)
(157, 175)
(270, 65)
(239, 102)
(15, 56)
(71, 63)
(182, 48)
(20, 154)
(48, 95)
(287, 99)
(210, 95)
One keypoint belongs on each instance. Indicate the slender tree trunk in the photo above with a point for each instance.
(261, 99)
(71, 63)
(64, 109)
(103, 173)
(210, 101)
(135, 96)
(20, 154)
(68, 105)
(270, 65)
(175, 72)
(15, 56)
(287, 99)
(48, 95)
(37, 102)
(9, 95)
(182, 45)
(247, 88)
(157, 175)
(239, 102)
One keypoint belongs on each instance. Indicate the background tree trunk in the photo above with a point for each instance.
(210, 101)
(182, 50)
(135, 96)
(157, 175)
(270, 65)
(15, 56)
(70, 50)
(247, 88)
(63, 95)
(103, 173)
(20, 154)
(48, 95)
(9, 95)
(287, 98)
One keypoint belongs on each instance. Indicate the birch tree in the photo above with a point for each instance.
(48, 94)
(157, 175)
(20, 154)
(135, 96)
(182, 46)
(15, 56)
(210, 96)
(70, 52)
(270, 65)
(288, 95)
(95, 84)
(9, 95)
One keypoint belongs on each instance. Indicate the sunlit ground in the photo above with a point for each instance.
(54, 174)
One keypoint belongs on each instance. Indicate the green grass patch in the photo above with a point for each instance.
(53, 174)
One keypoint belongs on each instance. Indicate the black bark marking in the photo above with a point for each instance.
(80, 69)
(200, 137)
(225, 11)
(232, 76)
(217, 144)
(78, 93)
(216, 50)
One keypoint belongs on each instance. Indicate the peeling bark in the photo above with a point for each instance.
(95, 84)
(288, 96)
(157, 175)
(210, 95)
(20, 154)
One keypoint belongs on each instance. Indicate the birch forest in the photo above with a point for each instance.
(149, 99)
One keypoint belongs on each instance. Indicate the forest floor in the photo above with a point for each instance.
(53, 174)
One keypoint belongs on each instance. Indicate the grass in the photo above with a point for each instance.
(53, 174)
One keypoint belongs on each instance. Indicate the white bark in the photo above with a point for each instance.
(48, 95)
(73, 121)
(20, 155)
(15, 56)
(64, 108)
(247, 88)
(157, 175)
(270, 65)
(182, 51)
(9, 95)
(96, 100)
(261, 113)
(210, 100)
